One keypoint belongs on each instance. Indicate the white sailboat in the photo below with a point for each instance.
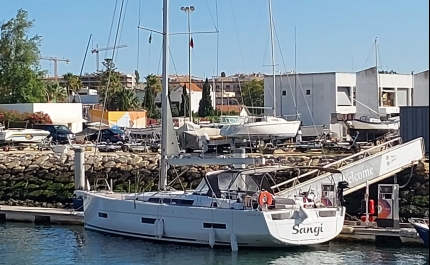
(234, 207)
(366, 123)
(266, 127)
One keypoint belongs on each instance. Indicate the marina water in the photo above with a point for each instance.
(30, 244)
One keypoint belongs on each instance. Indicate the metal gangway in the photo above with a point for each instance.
(368, 166)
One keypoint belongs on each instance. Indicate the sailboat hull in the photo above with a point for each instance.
(265, 129)
(382, 126)
(209, 226)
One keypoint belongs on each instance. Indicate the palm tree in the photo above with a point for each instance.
(126, 99)
(73, 84)
(153, 87)
(54, 92)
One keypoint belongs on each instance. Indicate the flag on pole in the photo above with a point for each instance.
(150, 38)
(192, 43)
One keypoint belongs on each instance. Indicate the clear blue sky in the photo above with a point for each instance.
(335, 35)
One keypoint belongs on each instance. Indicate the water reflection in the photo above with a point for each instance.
(27, 244)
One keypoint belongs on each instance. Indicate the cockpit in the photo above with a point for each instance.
(234, 184)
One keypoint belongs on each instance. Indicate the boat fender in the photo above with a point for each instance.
(156, 228)
(212, 237)
(265, 198)
(233, 243)
(160, 228)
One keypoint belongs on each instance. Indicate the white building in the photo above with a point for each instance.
(420, 92)
(69, 114)
(176, 96)
(321, 97)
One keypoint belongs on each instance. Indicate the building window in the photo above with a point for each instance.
(308, 92)
(284, 92)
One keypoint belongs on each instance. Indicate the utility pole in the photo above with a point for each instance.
(97, 50)
(188, 10)
(56, 60)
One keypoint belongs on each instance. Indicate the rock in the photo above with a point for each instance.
(47, 180)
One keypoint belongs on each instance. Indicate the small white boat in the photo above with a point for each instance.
(22, 136)
(366, 123)
(267, 127)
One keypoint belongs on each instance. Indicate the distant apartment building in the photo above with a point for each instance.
(227, 95)
(91, 81)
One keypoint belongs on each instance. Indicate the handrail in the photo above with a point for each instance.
(364, 152)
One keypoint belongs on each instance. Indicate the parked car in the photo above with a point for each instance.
(108, 136)
(59, 132)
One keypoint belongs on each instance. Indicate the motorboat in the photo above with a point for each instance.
(234, 207)
(422, 227)
(266, 127)
(13, 136)
(366, 123)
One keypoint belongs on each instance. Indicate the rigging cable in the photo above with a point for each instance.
(111, 26)
(240, 50)
(109, 75)
(285, 66)
(138, 33)
(122, 26)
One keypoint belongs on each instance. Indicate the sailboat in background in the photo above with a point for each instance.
(234, 207)
(268, 127)
(375, 125)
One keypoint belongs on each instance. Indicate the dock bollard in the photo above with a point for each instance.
(79, 168)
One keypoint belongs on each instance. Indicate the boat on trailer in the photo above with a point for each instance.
(234, 207)
(21, 136)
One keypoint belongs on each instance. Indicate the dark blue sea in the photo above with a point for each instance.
(26, 244)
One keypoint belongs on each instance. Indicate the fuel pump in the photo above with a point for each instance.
(388, 206)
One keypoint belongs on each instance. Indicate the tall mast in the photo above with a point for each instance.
(164, 97)
(295, 71)
(377, 72)
(273, 58)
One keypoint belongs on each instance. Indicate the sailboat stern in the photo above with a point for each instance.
(313, 226)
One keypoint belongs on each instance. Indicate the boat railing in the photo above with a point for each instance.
(342, 162)
(419, 220)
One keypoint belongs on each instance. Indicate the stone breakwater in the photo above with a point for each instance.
(47, 179)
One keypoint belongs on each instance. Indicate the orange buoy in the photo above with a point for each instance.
(265, 198)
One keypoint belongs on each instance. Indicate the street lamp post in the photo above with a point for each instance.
(188, 10)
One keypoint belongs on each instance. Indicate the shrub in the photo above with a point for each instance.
(9, 117)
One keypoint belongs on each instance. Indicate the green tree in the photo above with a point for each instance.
(126, 100)
(73, 84)
(20, 75)
(205, 104)
(183, 110)
(252, 94)
(153, 87)
(110, 85)
(55, 93)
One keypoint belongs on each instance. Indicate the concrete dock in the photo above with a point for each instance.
(405, 236)
(40, 215)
